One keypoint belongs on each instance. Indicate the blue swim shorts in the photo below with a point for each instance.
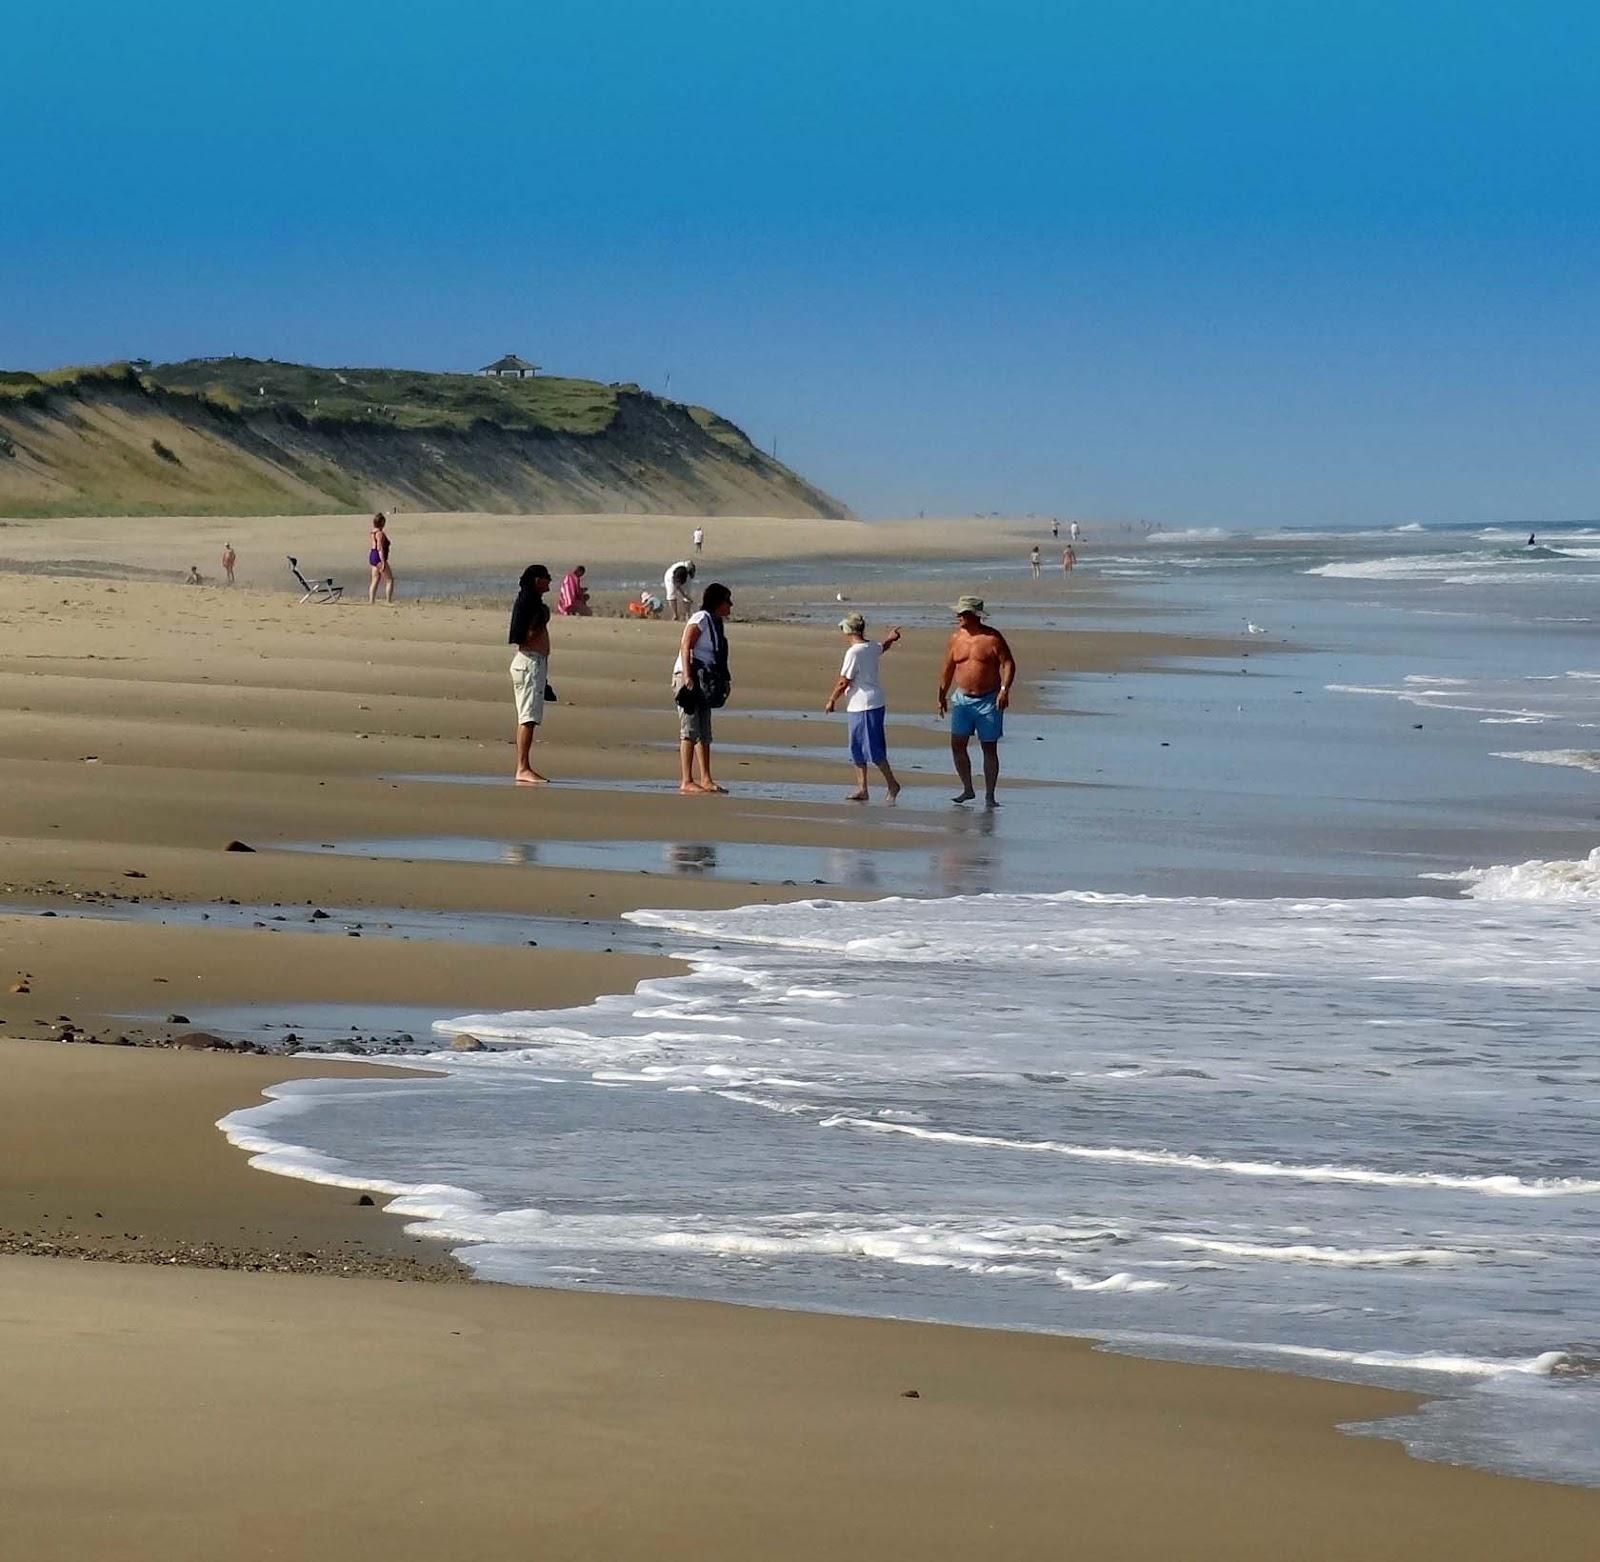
(976, 715)
(868, 746)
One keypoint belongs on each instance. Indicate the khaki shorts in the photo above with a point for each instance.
(528, 674)
(694, 724)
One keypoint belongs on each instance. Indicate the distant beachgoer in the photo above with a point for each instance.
(974, 691)
(572, 601)
(194, 577)
(530, 665)
(1055, 528)
(866, 708)
(699, 538)
(676, 580)
(1033, 560)
(229, 559)
(700, 684)
(1069, 559)
(1533, 541)
(378, 560)
(1074, 531)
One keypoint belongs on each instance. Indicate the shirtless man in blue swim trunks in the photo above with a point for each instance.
(974, 690)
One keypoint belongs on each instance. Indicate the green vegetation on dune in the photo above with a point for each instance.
(212, 436)
(720, 429)
(21, 385)
(401, 398)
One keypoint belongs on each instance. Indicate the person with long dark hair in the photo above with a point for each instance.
(700, 683)
(530, 665)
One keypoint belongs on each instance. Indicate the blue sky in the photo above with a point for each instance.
(1201, 263)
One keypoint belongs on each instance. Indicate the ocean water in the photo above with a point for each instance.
(1270, 1041)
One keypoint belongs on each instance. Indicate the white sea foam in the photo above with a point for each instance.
(1532, 700)
(1405, 566)
(1310, 1253)
(1444, 1363)
(1559, 882)
(1499, 568)
(1340, 1126)
(1498, 1184)
(1192, 534)
(1121, 1281)
(1569, 758)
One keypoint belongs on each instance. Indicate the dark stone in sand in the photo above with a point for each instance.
(47, 913)
(132, 873)
(203, 1041)
(366, 1201)
(20, 987)
(465, 1043)
(909, 1393)
(177, 1019)
(319, 915)
(237, 846)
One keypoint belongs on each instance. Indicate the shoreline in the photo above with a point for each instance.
(633, 1410)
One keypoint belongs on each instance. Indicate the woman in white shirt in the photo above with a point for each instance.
(866, 707)
(701, 668)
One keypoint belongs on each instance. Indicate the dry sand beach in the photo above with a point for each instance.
(253, 1376)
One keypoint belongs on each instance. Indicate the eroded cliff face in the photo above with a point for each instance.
(112, 445)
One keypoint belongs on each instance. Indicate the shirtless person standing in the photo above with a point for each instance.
(979, 664)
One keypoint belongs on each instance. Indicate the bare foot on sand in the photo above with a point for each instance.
(964, 797)
(857, 797)
(712, 787)
(991, 801)
(693, 789)
(893, 793)
(532, 778)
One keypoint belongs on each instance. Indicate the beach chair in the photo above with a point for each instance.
(315, 590)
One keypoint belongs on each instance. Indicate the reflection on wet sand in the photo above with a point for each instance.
(969, 864)
(690, 857)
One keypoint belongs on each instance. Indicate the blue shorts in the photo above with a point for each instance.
(976, 715)
(867, 742)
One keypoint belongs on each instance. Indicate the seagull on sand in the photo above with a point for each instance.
(1253, 629)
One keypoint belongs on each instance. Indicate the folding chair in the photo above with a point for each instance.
(315, 590)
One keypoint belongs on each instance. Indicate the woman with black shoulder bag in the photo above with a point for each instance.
(700, 684)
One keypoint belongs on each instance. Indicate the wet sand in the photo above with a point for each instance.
(198, 1390)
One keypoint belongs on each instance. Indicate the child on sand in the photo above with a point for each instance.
(866, 706)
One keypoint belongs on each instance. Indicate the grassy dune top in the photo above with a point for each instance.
(399, 398)
(405, 398)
